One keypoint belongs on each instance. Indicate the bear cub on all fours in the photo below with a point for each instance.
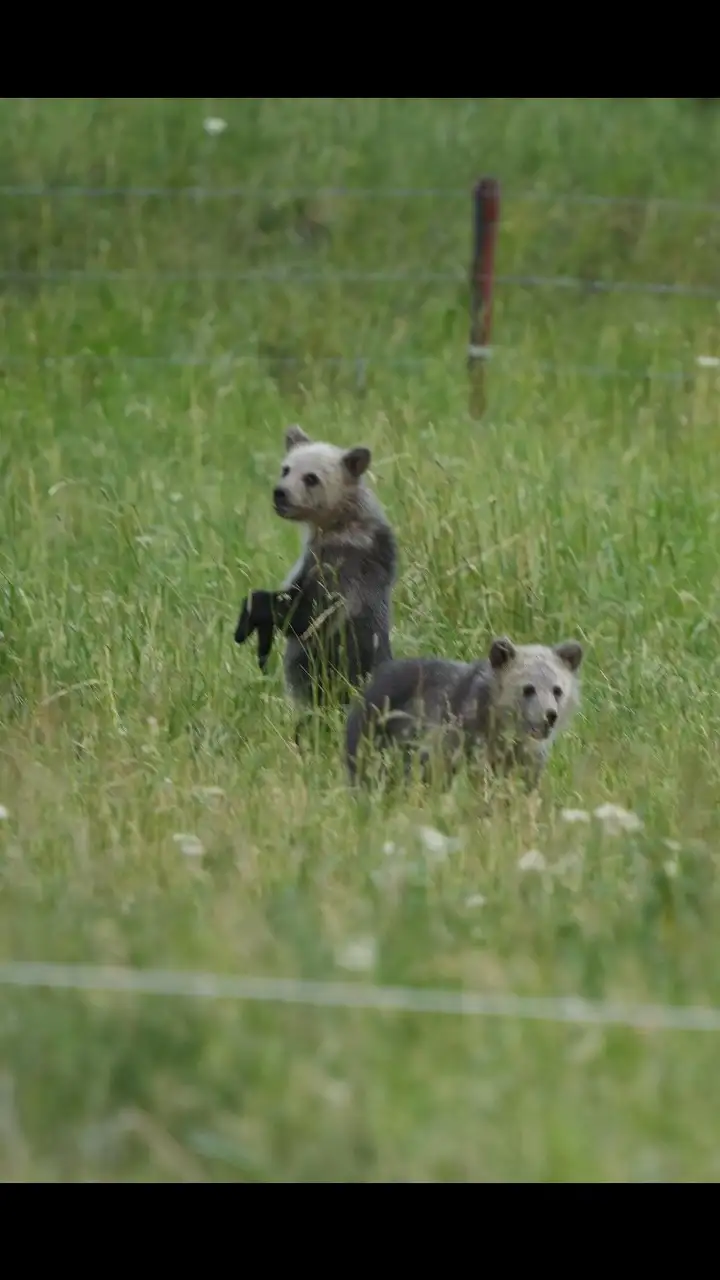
(335, 604)
(510, 707)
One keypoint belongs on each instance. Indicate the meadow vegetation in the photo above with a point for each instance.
(157, 811)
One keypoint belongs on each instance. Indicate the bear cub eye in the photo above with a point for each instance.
(528, 690)
(285, 472)
(557, 692)
(311, 480)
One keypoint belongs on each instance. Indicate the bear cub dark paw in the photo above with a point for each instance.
(266, 611)
(257, 615)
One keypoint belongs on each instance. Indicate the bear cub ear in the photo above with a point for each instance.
(571, 653)
(357, 461)
(502, 651)
(294, 436)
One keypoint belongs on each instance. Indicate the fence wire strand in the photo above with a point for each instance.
(347, 995)
(271, 194)
(360, 364)
(292, 276)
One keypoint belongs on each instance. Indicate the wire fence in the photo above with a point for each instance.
(346, 995)
(291, 276)
(408, 1000)
(576, 198)
(360, 366)
(285, 275)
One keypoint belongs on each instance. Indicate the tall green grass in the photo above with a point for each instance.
(135, 515)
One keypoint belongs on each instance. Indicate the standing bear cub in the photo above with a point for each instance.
(335, 604)
(511, 706)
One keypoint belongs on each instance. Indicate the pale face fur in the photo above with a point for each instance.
(318, 482)
(536, 686)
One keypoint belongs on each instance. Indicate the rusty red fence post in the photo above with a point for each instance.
(486, 215)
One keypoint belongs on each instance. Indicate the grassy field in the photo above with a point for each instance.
(135, 515)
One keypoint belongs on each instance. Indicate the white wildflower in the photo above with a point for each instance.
(616, 820)
(389, 848)
(533, 860)
(189, 845)
(359, 955)
(436, 844)
(214, 125)
(709, 362)
(4, 813)
(476, 900)
(574, 817)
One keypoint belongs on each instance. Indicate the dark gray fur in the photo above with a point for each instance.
(345, 650)
(411, 694)
(440, 712)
